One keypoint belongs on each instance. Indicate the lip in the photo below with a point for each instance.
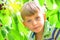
(36, 27)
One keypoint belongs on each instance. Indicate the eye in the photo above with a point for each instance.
(37, 18)
(28, 20)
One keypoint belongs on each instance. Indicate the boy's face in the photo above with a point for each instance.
(35, 22)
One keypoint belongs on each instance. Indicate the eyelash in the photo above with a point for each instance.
(29, 21)
(37, 18)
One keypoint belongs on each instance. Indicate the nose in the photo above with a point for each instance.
(34, 23)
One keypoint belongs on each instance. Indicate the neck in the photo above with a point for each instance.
(39, 35)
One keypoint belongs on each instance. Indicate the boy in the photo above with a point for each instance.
(35, 20)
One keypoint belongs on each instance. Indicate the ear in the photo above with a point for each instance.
(44, 16)
(24, 23)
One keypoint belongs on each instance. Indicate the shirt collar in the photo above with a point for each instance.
(46, 26)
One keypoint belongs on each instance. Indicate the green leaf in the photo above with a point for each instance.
(0, 20)
(49, 4)
(58, 24)
(10, 37)
(1, 37)
(15, 22)
(58, 3)
(22, 28)
(58, 14)
(7, 28)
(51, 12)
(3, 32)
(24, 1)
(15, 35)
(6, 20)
(53, 19)
(41, 2)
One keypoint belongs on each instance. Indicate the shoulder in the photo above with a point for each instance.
(48, 29)
(31, 35)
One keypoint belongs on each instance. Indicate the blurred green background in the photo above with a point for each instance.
(11, 27)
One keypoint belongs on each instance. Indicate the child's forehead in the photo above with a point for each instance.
(33, 16)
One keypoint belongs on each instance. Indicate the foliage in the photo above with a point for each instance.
(11, 27)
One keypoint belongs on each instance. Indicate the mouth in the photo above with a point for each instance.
(36, 27)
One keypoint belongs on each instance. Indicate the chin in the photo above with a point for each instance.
(37, 31)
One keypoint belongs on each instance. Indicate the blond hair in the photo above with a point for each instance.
(29, 9)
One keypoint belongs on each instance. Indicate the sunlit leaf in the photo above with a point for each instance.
(15, 35)
(15, 22)
(58, 24)
(49, 4)
(58, 14)
(51, 12)
(41, 2)
(58, 3)
(1, 37)
(53, 19)
(3, 32)
(24, 1)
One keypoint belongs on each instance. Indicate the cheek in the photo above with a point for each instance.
(41, 23)
(42, 20)
(29, 26)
